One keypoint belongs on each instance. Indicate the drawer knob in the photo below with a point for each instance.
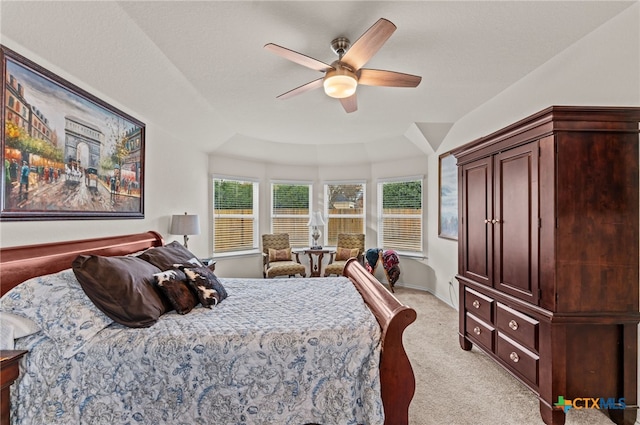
(514, 357)
(513, 325)
(477, 330)
(476, 304)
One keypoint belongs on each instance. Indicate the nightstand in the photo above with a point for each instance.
(9, 371)
(209, 262)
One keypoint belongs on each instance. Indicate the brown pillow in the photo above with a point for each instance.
(174, 284)
(343, 254)
(164, 257)
(279, 254)
(122, 287)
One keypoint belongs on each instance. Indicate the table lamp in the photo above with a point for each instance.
(185, 225)
(314, 222)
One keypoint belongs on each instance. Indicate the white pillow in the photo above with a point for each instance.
(13, 327)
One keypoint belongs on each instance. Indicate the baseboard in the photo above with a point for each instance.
(422, 288)
(410, 286)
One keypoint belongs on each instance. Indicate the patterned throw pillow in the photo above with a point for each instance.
(174, 284)
(209, 289)
(343, 254)
(58, 306)
(280, 254)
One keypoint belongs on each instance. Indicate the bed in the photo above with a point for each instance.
(179, 375)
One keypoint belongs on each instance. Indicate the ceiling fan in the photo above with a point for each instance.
(342, 77)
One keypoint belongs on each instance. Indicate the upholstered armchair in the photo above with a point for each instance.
(277, 257)
(348, 245)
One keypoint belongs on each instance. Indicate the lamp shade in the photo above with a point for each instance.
(316, 219)
(185, 224)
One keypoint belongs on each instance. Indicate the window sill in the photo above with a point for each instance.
(236, 254)
(412, 255)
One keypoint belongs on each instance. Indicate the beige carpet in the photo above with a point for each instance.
(457, 387)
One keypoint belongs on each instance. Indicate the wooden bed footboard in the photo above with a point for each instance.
(397, 381)
(396, 374)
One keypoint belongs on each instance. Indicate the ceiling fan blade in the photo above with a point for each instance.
(369, 43)
(302, 89)
(377, 77)
(298, 58)
(350, 104)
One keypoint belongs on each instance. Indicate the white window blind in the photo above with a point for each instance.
(345, 213)
(400, 215)
(235, 215)
(290, 211)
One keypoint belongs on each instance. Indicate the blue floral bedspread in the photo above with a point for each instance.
(277, 351)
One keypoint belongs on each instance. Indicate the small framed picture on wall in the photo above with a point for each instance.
(448, 197)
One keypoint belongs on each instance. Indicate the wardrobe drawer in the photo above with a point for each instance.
(480, 331)
(478, 304)
(517, 358)
(518, 326)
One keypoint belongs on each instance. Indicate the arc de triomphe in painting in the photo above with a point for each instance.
(77, 133)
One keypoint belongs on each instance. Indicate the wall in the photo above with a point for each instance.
(173, 174)
(603, 68)
(610, 74)
(414, 271)
(600, 69)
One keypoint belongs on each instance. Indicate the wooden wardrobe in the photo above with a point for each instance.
(548, 254)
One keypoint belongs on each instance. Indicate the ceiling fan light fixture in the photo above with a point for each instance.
(340, 83)
(341, 78)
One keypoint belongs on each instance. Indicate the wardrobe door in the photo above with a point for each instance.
(476, 212)
(515, 224)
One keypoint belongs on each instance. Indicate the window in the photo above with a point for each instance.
(400, 215)
(290, 211)
(235, 215)
(345, 210)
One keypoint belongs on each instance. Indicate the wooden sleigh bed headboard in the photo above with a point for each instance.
(20, 263)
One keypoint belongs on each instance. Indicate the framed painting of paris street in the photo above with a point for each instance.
(65, 153)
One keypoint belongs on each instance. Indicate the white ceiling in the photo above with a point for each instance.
(198, 70)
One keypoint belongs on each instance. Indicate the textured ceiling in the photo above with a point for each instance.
(199, 71)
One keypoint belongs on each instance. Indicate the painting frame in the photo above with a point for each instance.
(66, 154)
(447, 196)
